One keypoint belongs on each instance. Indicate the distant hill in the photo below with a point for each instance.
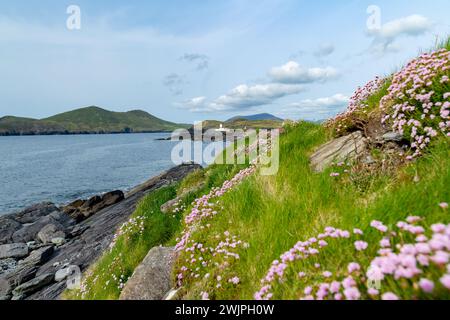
(90, 120)
(256, 117)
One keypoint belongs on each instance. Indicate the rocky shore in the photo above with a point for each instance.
(41, 245)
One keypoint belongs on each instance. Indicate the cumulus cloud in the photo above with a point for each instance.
(200, 60)
(315, 108)
(293, 73)
(324, 50)
(174, 83)
(197, 104)
(338, 100)
(243, 97)
(385, 36)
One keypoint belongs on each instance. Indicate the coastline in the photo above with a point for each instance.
(40, 243)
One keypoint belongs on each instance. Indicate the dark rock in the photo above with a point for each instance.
(152, 278)
(29, 232)
(38, 256)
(33, 285)
(77, 231)
(35, 212)
(49, 232)
(98, 232)
(64, 219)
(7, 228)
(13, 250)
(81, 210)
(15, 278)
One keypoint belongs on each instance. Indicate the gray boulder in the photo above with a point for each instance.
(345, 148)
(152, 278)
(7, 228)
(33, 285)
(29, 232)
(13, 250)
(35, 212)
(392, 137)
(38, 257)
(15, 278)
(49, 232)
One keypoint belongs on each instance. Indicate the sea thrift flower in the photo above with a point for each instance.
(361, 245)
(353, 267)
(389, 296)
(327, 274)
(426, 285)
(358, 231)
(445, 280)
(352, 293)
(443, 205)
(234, 280)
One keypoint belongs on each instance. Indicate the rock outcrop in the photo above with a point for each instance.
(83, 209)
(152, 278)
(345, 148)
(43, 241)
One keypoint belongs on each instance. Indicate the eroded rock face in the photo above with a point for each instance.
(35, 212)
(50, 232)
(32, 286)
(8, 227)
(345, 148)
(83, 209)
(13, 250)
(152, 278)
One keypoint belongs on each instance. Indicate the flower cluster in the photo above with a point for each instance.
(195, 256)
(357, 104)
(418, 101)
(417, 269)
(134, 226)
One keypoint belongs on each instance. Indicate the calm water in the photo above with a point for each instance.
(64, 168)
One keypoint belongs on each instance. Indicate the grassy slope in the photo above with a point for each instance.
(91, 119)
(158, 229)
(273, 213)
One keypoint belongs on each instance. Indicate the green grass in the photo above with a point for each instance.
(102, 279)
(273, 213)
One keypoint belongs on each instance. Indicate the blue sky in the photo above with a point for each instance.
(192, 60)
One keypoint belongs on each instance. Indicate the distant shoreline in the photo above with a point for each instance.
(30, 134)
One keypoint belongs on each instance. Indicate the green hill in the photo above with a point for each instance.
(90, 120)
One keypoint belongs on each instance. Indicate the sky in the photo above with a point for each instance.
(187, 61)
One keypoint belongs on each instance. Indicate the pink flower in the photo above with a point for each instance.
(205, 296)
(352, 293)
(385, 243)
(358, 231)
(335, 286)
(361, 245)
(327, 274)
(426, 285)
(443, 205)
(307, 291)
(445, 280)
(353, 267)
(373, 292)
(234, 280)
(389, 296)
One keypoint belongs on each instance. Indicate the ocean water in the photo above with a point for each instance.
(61, 169)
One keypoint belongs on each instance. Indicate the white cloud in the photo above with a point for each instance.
(293, 73)
(413, 26)
(243, 97)
(197, 104)
(317, 108)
